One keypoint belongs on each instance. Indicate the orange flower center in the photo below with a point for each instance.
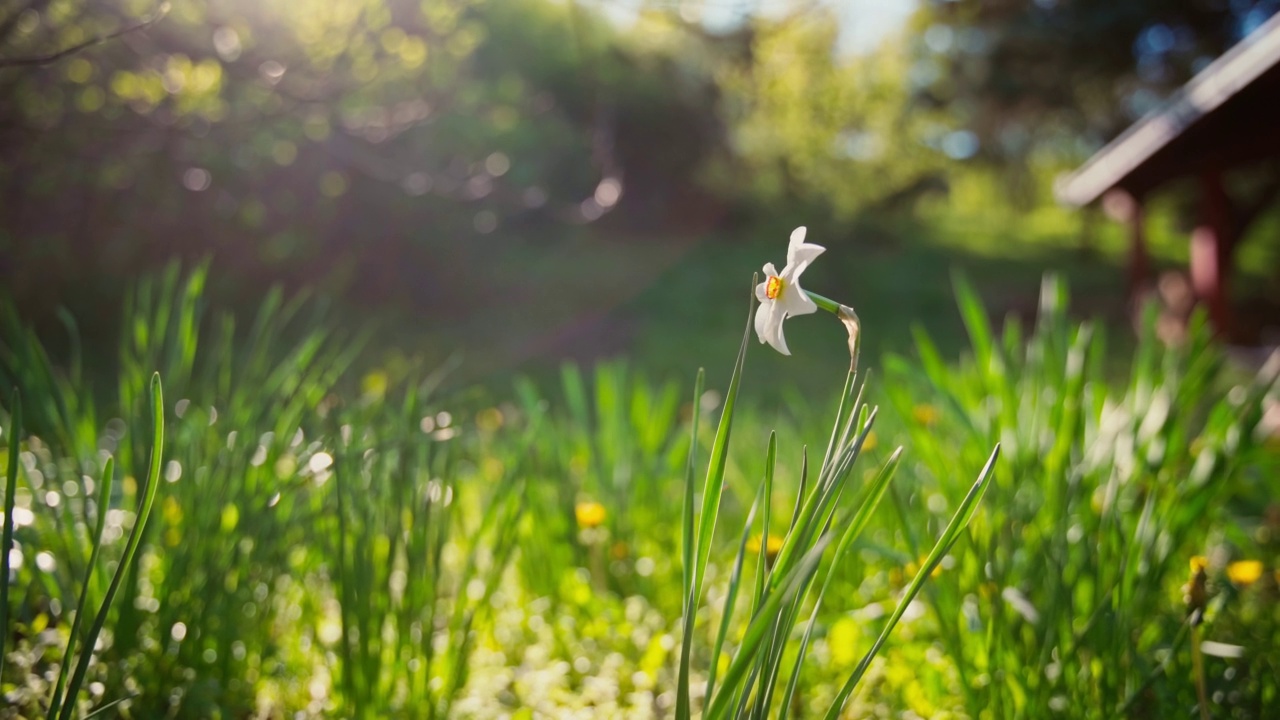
(773, 287)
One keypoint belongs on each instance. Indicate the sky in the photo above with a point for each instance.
(863, 23)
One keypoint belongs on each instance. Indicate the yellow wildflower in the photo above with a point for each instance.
(590, 514)
(871, 441)
(1195, 593)
(374, 385)
(489, 419)
(926, 415)
(1244, 572)
(912, 568)
(772, 546)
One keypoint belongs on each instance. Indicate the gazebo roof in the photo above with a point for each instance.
(1226, 115)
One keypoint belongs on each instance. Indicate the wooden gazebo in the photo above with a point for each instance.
(1226, 118)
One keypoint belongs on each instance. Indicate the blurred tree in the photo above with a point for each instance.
(813, 125)
(1062, 77)
(347, 145)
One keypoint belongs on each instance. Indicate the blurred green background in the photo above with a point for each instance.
(524, 181)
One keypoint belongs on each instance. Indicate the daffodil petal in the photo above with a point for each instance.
(800, 256)
(797, 235)
(796, 302)
(769, 317)
(763, 312)
(775, 336)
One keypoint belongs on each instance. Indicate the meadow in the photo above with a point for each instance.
(227, 523)
(397, 359)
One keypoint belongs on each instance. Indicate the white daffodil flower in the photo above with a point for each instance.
(780, 295)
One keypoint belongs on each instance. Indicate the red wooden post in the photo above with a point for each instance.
(1211, 251)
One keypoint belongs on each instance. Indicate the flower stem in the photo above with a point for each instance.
(825, 303)
(850, 320)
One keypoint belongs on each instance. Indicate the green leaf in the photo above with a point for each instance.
(735, 580)
(104, 499)
(949, 537)
(131, 547)
(975, 320)
(763, 625)
(762, 565)
(712, 490)
(10, 493)
(853, 530)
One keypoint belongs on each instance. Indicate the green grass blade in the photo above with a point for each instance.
(75, 354)
(712, 489)
(826, 497)
(975, 320)
(742, 696)
(949, 537)
(772, 664)
(690, 468)
(104, 497)
(130, 550)
(763, 626)
(930, 359)
(735, 580)
(108, 706)
(854, 528)
(762, 565)
(802, 490)
(10, 490)
(820, 505)
(683, 709)
(575, 394)
(843, 411)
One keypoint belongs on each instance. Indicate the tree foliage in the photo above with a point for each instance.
(843, 131)
(381, 149)
(1064, 76)
(350, 145)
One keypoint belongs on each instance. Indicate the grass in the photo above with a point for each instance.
(668, 304)
(1116, 488)
(394, 547)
